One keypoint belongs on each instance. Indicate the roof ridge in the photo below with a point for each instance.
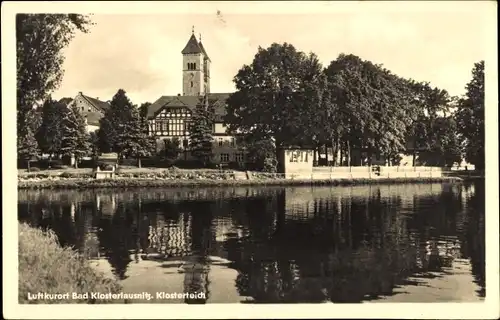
(192, 46)
(91, 100)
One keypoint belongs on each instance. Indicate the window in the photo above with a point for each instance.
(191, 66)
(239, 157)
(233, 142)
(191, 84)
(220, 141)
(224, 157)
(174, 122)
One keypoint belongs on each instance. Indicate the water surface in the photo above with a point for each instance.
(408, 242)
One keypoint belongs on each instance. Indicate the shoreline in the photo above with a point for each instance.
(47, 271)
(81, 183)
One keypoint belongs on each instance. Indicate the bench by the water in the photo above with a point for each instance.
(104, 174)
(111, 159)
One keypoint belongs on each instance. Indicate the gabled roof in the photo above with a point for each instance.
(100, 105)
(192, 46)
(203, 50)
(216, 100)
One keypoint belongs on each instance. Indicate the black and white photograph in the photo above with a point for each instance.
(262, 159)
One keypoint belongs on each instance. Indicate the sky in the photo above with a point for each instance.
(140, 52)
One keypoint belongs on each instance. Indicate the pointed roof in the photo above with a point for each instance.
(203, 50)
(192, 46)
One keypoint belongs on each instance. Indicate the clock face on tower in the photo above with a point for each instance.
(191, 76)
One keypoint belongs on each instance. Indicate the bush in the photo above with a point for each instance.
(87, 163)
(44, 266)
(44, 163)
(128, 162)
(233, 165)
(66, 175)
(172, 148)
(107, 167)
(270, 164)
(105, 164)
(188, 164)
(60, 166)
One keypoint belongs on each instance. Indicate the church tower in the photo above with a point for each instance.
(195, 68)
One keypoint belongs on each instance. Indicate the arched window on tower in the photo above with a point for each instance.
(191, 84)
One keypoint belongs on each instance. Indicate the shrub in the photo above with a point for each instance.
(233, 165)
(60, 166)
(188, 164)
(44, 163)
(172, 148)
(66, 175)
(44, 266)
(107, 167)
(87, 163)
(132, 162)
(270, 164)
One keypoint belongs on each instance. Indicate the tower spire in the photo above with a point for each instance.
(192, 30)
(200, 36)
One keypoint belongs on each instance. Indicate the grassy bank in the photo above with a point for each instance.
(158, 182)
(46, 267)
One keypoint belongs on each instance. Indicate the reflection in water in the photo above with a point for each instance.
(301, 244)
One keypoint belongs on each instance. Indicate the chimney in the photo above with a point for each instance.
(80, 93)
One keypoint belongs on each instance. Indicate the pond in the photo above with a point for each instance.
(375, 243)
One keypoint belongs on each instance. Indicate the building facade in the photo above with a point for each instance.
(169, 117)
(92, 109)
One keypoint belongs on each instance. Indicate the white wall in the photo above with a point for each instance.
(91, 128)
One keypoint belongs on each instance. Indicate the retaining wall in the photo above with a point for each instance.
(324, 173)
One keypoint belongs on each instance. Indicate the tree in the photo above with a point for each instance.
(431, 106)
(172, 148)
(40, 39)
(75, 139)
(27, 147)
(122, 131)
(275, 96)
(470, 118)
(258, 151)
(143, 114)
(367, 108)
(200, 132)
(444, 147)
(143, 110)
(93, 138)
(49, 135)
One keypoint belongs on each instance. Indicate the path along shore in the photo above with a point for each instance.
(157, 178)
